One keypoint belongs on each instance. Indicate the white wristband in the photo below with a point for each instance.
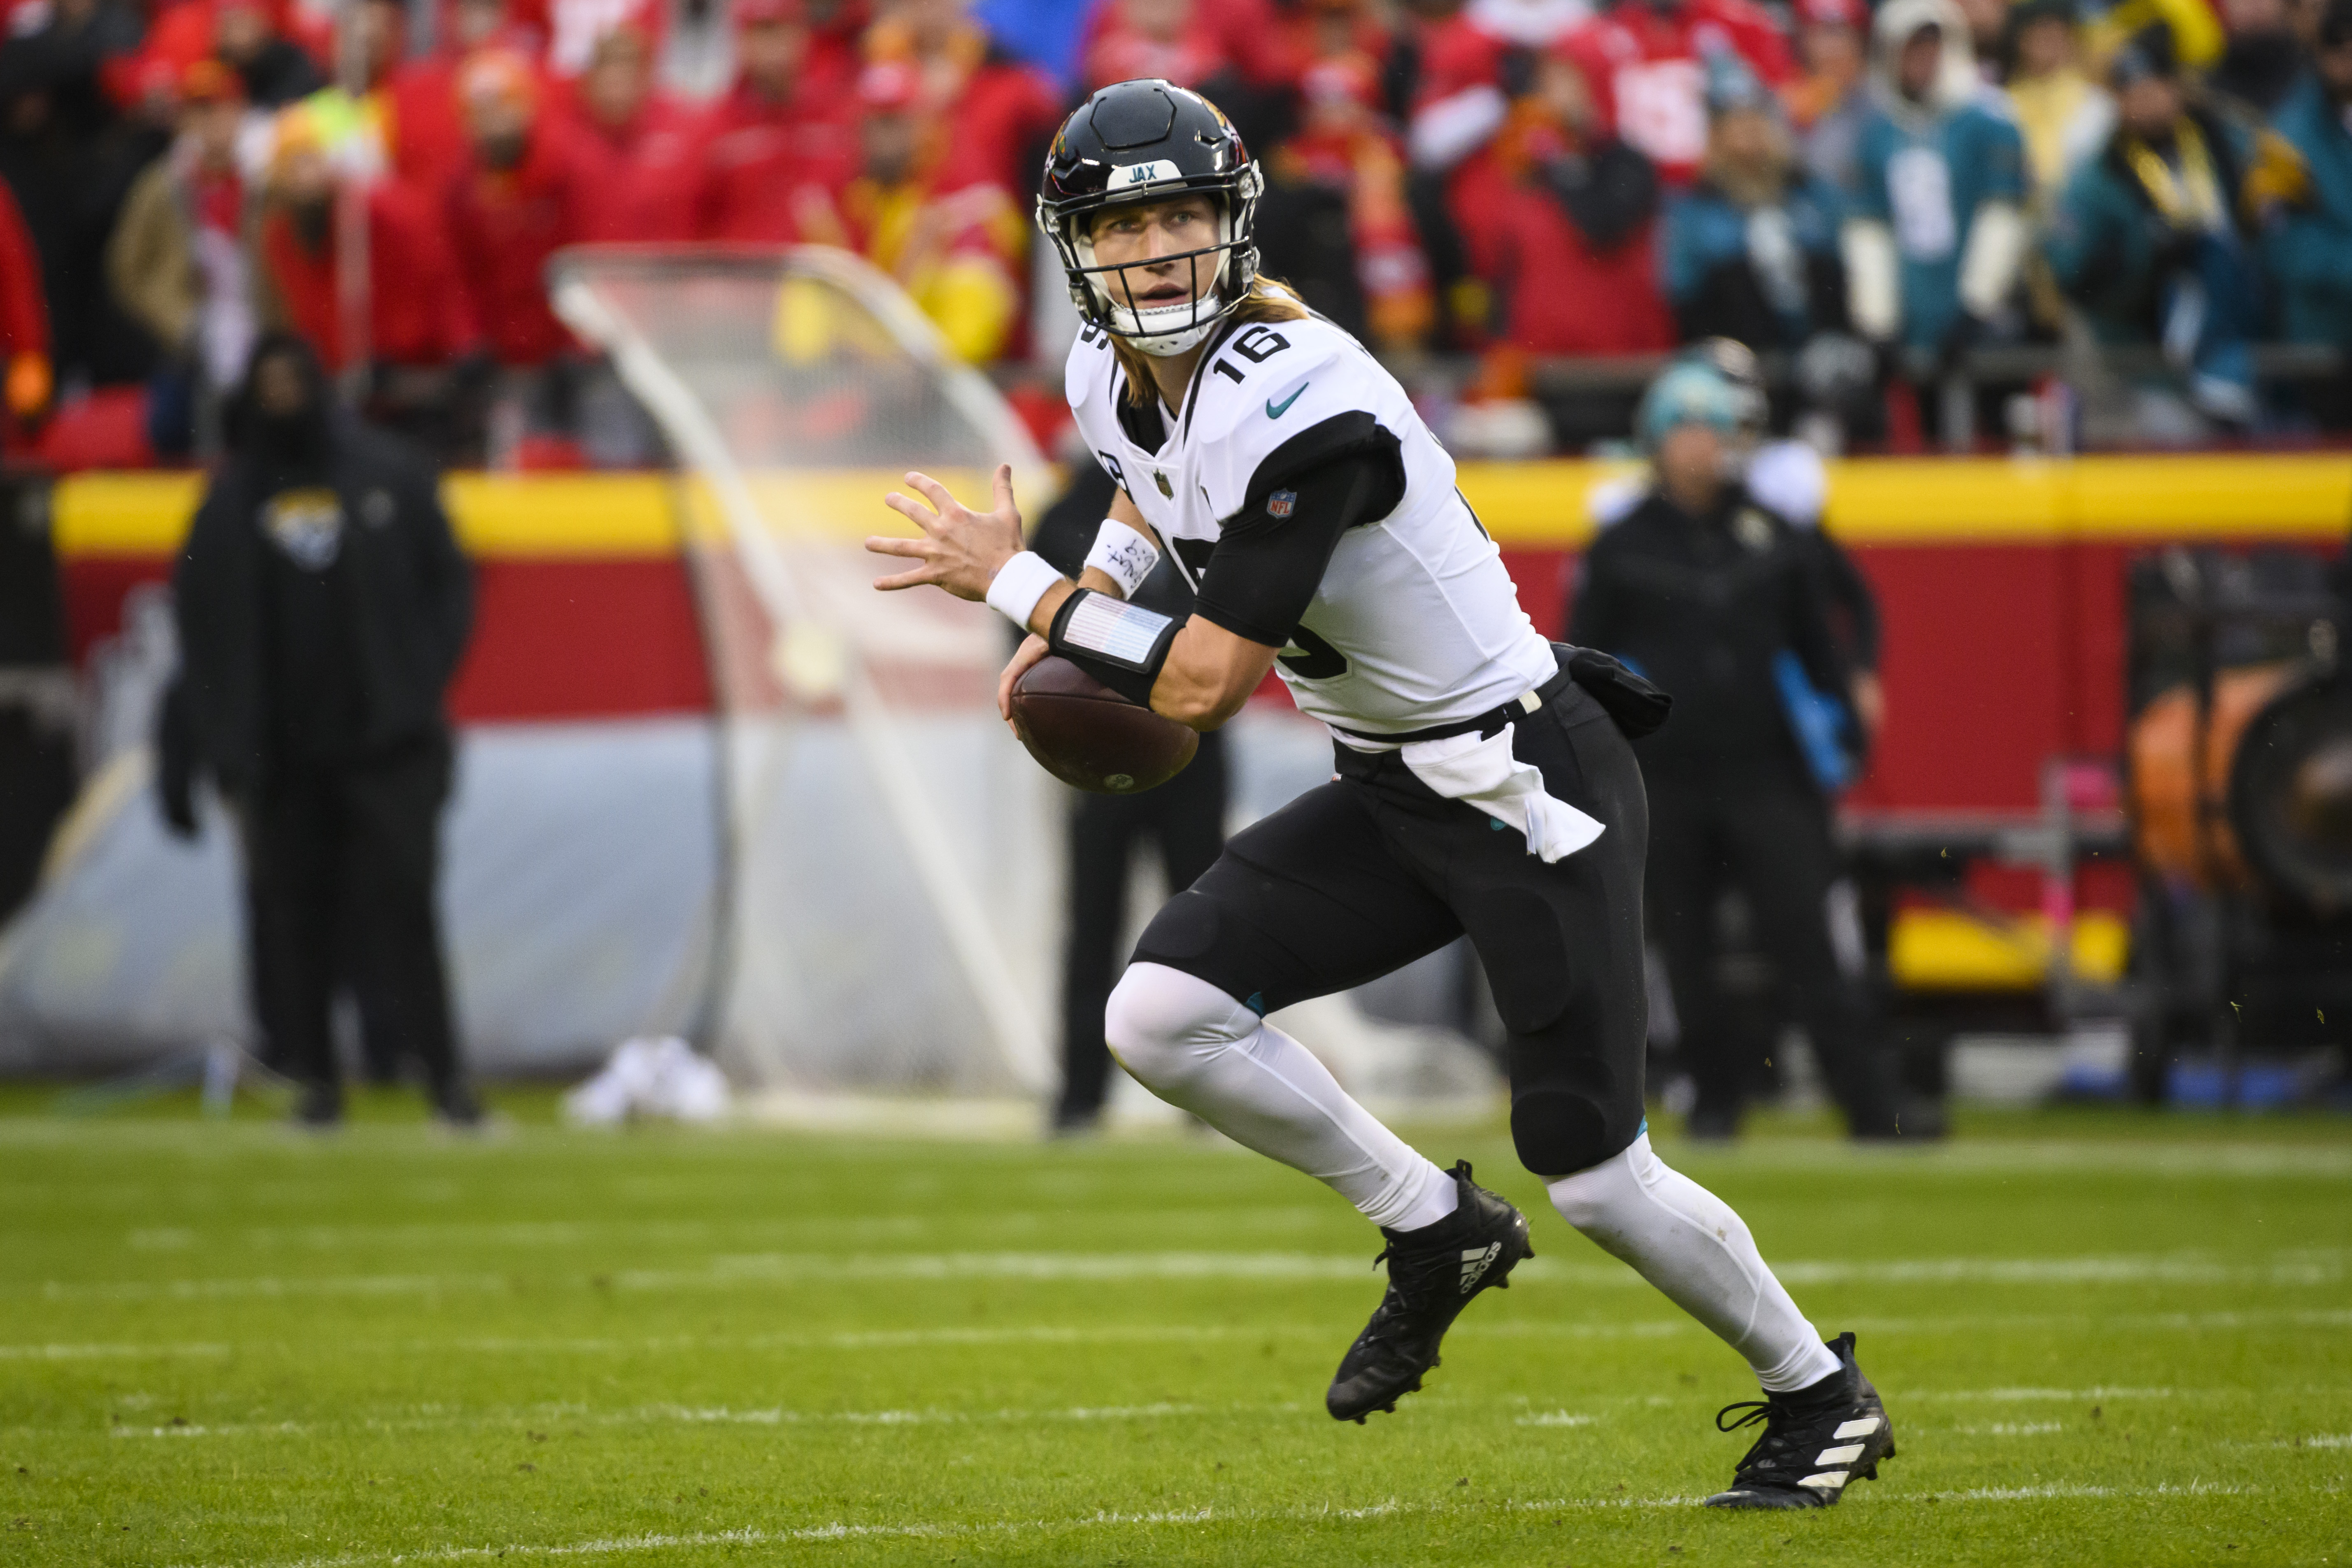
(1019, 584)
(1123, 555)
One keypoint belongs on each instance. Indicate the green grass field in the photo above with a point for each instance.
(2102, 1339)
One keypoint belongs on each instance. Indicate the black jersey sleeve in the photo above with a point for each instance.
(1271, 555)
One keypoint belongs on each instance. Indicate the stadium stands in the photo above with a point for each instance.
(1957, 227)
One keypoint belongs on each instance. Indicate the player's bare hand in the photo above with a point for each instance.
(1033, 648)
(960, 549)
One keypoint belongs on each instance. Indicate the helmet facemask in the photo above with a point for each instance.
(1160, 331)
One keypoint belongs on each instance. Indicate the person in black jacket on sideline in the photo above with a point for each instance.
(1706, 593)
(324, 607)
(1184, 818)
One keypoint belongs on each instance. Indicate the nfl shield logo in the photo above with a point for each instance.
(1282, 503)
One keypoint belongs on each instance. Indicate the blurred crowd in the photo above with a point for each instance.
(1863, 197)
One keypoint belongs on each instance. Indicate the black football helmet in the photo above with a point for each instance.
(1147, 141)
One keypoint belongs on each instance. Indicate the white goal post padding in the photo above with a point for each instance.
(893, 921)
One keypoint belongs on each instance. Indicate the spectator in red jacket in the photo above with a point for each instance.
(1167, 38)
(773, 145)
(574, 28)
(633, 153)
(24, 323)
(1645, 61)
(837, 46)
(1346, 154)
(508, 209)
(418, 320)
(1472, 64)
(1567, 235)
(1256, 38)
(985, 117)
(424, 123)
(254, 38)
(955, 247)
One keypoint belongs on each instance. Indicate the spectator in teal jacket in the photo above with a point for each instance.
(2149, 238)
(2308, 166)
(1935, 229)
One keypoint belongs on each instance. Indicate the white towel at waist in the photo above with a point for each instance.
(1484, 774)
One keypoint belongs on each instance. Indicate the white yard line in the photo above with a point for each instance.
(109, 1352)
(1151, 1334)
(434, 1418)
(614, 1546)
(727, 1147)
(2012, 1429)
(2302, 1267)
(717, 1416)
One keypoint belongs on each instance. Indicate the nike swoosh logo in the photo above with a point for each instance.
(1276, 410)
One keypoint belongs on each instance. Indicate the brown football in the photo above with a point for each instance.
(1086, 734)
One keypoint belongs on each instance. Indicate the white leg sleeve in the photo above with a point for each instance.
(1687, 1242)
(1193, 1045)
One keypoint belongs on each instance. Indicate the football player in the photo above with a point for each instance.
(1482, 783)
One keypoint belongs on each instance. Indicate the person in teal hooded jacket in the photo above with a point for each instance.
(2307, 165)
(2152, 238)
(1936, 230)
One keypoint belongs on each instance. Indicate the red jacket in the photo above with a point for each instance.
(418, 312)
(1648, 71)
(24, 312)
(424, 123)
(1555, 294)
(763, 162)
(1006, 112)
(503, 226)
(634, 181)
(1250, 36)
(836, 52)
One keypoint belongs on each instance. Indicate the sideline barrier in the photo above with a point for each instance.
(2002, 582)
(1873, 501)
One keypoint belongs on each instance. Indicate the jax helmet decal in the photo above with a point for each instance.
(1146, 141)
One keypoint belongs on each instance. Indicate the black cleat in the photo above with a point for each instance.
(456, 1106)
(1815, 1440)
(319, 1106)
(1433, 1274)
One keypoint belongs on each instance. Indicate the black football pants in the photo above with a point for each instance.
(1185, 817)
(1770, 837)
(1360, 876)
(340, 868)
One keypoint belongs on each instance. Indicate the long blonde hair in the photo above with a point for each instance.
(1268, 299)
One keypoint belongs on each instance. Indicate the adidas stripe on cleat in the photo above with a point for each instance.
(1816, 1440)
(1433, 1273)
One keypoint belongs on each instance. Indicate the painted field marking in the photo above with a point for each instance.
(721, 1416)
(2176, 1158)
(435, 1418)
(509, 1235)
(1146, 1333)
(615, 1546)
(2012, 1429)
(109, 1352)
(2311, 1266)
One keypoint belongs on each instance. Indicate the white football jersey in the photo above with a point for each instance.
(1415, 624)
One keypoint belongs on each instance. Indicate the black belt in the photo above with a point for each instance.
(1637, 707)
(1529, 701)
